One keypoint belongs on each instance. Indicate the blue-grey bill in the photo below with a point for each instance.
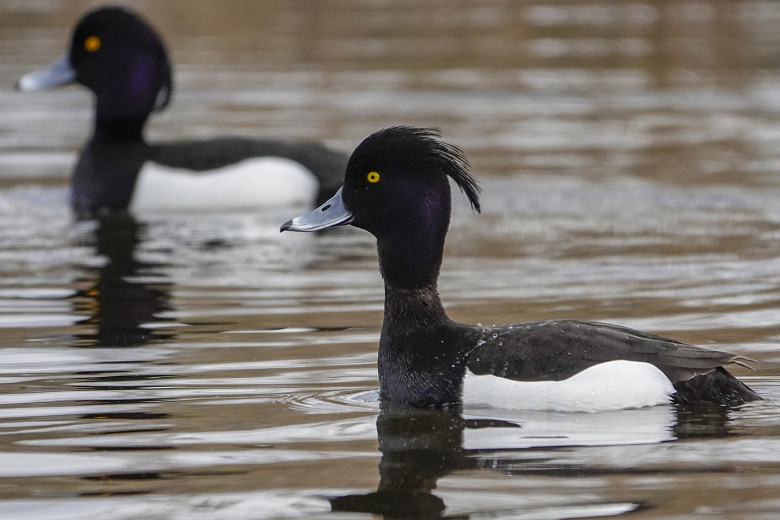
(58, 73)
(331, 213)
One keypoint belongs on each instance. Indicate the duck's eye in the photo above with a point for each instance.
(372, 177)
(92, 44)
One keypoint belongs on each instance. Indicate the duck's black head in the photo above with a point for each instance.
(396, 187)
(396, 180)
(118, 56)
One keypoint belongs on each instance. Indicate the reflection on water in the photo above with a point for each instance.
(419, 447)
(630, 170)
(120, 300)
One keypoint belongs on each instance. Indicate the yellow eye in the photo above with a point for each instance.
(92, 44)
(372, 177)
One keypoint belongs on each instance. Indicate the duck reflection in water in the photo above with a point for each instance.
(418, 447)
(421, 446)
(118, 304)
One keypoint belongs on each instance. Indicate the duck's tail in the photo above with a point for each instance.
(717, 386)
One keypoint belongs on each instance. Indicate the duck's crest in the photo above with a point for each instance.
(447, 157)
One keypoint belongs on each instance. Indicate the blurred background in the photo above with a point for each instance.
(678, 92)
(629, 159)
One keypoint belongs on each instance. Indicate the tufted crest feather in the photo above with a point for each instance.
(426, 144)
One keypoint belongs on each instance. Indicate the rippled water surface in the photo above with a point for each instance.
(205, 366)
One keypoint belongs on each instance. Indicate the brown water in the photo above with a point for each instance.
(205, 366)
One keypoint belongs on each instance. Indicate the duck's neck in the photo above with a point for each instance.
(107, 168)
(421, 351)
(411, 260)
(119, 130)
(410, 264)
(410, 268)
(413, 309)
(121, 116)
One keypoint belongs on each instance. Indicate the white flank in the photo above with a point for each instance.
(613, 385)
(252, 183)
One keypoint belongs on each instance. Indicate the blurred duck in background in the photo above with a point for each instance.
(119, 57)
